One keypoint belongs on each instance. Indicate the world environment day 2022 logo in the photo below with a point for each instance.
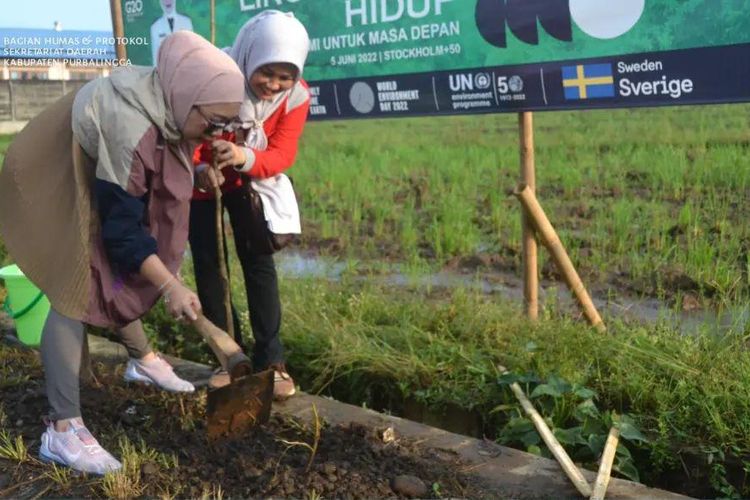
(603, 19)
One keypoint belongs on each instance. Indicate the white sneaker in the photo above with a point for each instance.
(76, 448)
(157, 372)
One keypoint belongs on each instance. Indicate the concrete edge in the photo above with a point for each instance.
(7, 128)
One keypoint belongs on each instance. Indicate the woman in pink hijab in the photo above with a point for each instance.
(110, 222)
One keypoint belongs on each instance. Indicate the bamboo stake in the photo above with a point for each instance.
(213, 22)
(551, 240)
(222, 260)
(118, 29)
(86, 372)
(549, 439)
(605, 467)
(529, 252)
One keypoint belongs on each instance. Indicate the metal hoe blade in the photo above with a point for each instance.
(238, 407)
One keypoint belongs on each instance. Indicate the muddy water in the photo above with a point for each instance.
(647, 311)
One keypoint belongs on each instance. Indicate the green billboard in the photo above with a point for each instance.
(391, 57)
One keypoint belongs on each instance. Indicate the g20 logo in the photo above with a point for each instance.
(603, 19)
(133, 7)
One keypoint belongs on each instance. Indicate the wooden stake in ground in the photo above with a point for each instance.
(605, 467)
(86, 373)
(549, 439)
(551, 240)
(529, 254)
(222, 258)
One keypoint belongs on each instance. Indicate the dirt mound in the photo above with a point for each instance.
(161, 440)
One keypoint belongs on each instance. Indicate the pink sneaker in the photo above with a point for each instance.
(76, 448)
(157, 372)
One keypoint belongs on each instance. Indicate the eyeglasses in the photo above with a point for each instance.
(217, 126)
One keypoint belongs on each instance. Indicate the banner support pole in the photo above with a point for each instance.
(529, 252)
(118, 29)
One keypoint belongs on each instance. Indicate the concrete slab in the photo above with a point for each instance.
(505, 468)
(7, 128)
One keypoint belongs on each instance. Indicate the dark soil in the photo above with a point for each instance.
(350, 461)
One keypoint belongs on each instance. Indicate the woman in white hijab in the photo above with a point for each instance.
(270, 49)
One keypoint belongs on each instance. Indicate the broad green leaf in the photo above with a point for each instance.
(535, 450)
(585, 410)
(596, 444)
(519, 430)
(559, 384)
(629, 431)
(626, 467)
(519, 424)
(531, 438)
(623, 451)
(594, 426)
(545, 390)
(508, 378)
(500, 408)
(529, 378)
(570, 436)
(583, 392)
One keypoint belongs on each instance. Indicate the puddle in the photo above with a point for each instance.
(299, 265)
(652, 311)
(508, 286)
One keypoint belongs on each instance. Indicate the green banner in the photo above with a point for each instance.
(442, 56)
(379, 37)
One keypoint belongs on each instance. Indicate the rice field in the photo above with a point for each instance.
(650, 201)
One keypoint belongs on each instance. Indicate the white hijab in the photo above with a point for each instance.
(270, 37)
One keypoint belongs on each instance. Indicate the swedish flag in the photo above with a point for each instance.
(588, 81)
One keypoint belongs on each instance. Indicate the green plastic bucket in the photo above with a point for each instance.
(25, 304)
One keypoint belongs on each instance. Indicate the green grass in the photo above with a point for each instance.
(4, 143)
(444, 349)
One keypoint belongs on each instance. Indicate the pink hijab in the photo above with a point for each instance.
(193, 72)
